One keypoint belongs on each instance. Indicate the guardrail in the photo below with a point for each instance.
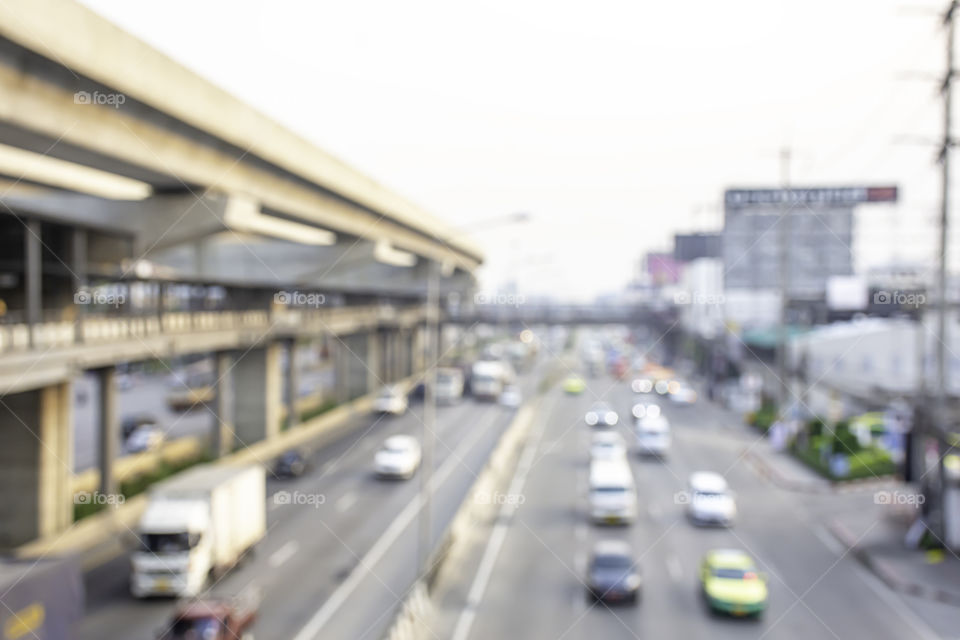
(107, 329)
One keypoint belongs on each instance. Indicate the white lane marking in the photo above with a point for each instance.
(674, 568)
(580, 563)
(580, 531)
(654, 510)
(283, 554)
(336, 600)
(345, 501)
(499, 535)
(829, 541)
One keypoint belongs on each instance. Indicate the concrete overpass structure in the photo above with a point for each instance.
(147, 214)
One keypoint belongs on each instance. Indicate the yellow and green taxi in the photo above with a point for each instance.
(731, 583)
(574, 384)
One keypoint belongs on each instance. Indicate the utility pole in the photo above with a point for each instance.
(940, 416)
(783, 242)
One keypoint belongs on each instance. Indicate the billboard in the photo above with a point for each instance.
(812, 196)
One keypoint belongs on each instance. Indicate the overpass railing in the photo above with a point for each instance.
(108, 329)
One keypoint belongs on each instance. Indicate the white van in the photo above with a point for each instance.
(449, 385)
(613, 494)
(653, 435)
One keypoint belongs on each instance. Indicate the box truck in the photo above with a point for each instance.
(199, 522)
(42, 599)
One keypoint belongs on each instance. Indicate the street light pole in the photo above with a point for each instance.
(431, 355)
(783, 241)
(429, 414)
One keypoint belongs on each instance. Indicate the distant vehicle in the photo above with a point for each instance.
(710, 501)
(212, 619)
(731, 584)
(42, 599)
(199, 522)
(653, 435)
(619, 369)
(613, 495)
(291, 464)
(148, 437)
(489, 377)
(613, 574)
(607, 445)
(682, 393)
(192, 391)
(449, 385)
(601, 415)
(134, 422)
(510, 396)
(391, 400)
(573, 385)
(399, 457)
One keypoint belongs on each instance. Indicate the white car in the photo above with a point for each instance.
(145, 438)
(510, 397)
(601, 415)
(709, 500)
(653, 434)
(682, 393)
(399, 457)
(391, 400)
(607, 445)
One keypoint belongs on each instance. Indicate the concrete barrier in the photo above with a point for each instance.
(131, 466)
(413, 622)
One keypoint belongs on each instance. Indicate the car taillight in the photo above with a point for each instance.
(749, 575)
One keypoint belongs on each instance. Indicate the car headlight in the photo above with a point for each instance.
(639, 411)
(611, 417)
(592, 418)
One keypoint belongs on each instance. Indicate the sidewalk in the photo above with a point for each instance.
(875, 537)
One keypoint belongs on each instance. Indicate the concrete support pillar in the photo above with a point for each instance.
(78, 260)
(32, 252)
(109, 429)
(223, 439)
(356, 364)
(374, 362)
(257, 394)
(36, 464)
(293, 384)
(341, 371)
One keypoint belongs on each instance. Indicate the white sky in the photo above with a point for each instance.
(613, 123)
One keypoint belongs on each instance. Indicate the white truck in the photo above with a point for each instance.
(489, 377)
(199, 522)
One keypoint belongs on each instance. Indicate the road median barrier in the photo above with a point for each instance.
(416, 614)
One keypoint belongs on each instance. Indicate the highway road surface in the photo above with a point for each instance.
(534, 588)
(338, 569)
